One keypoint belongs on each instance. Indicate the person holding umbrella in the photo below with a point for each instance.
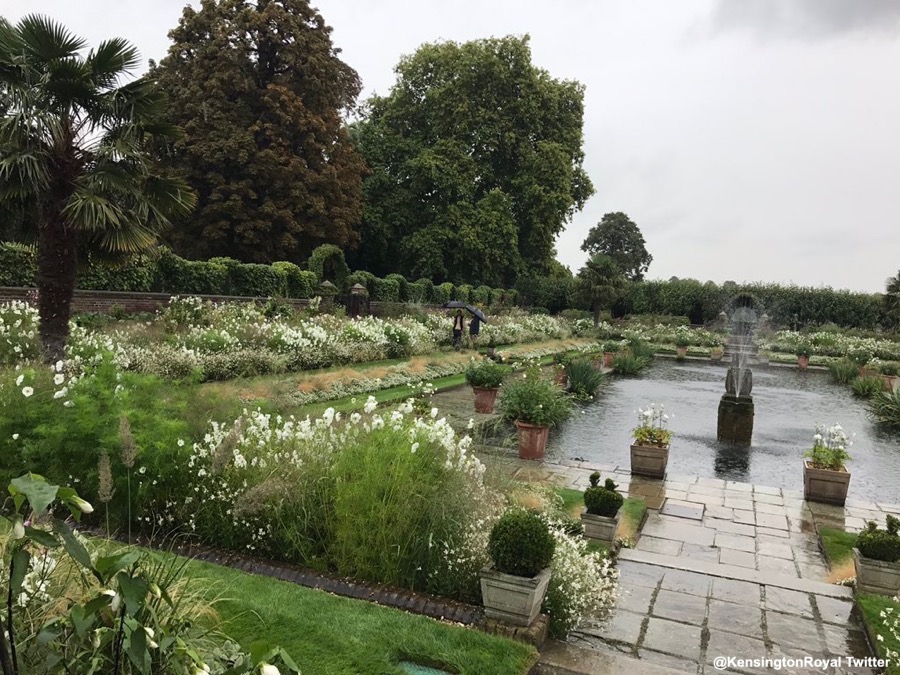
(459, 325)
(474, 330)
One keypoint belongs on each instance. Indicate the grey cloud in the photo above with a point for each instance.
(807, 19)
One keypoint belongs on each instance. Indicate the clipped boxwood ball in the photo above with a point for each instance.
(521, 544)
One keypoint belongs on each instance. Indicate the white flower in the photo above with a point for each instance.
(370, 405)
(415, 446)
(268, 669)
(58, 379)
(19, 380)
(15, 437)
(180, 442)
(68, 404)
(62, 392)
(82, 505)
(18, 529)
(27, 391)
(142, 470)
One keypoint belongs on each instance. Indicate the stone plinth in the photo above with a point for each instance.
(735, 419)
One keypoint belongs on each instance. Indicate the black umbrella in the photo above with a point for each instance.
(458, 304)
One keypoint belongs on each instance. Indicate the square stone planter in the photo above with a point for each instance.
(649, 460)
(890, 382)
(876, 576)
(825, 485)
(512, 599)
(681, 352)
(600, 528)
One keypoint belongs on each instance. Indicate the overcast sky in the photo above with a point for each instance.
(752, 140)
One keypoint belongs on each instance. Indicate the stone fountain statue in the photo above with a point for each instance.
(736, 407)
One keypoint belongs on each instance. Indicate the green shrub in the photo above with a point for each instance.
(879, 544)
(521, 544)
(889, 369)
(419, 292)
(602, 500)
(511, 297)
(386, 290)
(427, 290)
(134, 274)
(584, 379)
(885, 408)
(626, 363)
(298, 283)
(464, 293)
(482, 296)
(534, 400)
(843, 371)
(258, 281)
(803, 349)
(328, 264)
(18, 265)
(403, 286)
(363, 278)
(441, 294)
(867, 387)
(186, 277)
(575, 314)
(486, 374)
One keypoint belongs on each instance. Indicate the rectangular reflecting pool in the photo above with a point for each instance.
(788, 405)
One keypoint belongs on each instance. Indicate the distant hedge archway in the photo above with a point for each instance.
(328, 264)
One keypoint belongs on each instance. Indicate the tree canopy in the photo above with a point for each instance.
(476, 164)
(599, 284)
(892, 300)
(619, 238)
(260, 92)
(73, 159)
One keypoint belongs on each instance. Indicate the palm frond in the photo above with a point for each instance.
(25, 171)
(112, 59)
(46, 40)
(92, 212)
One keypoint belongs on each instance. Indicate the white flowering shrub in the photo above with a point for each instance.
(834, 344)
(19, 339)
(583, 585)
(890, 626)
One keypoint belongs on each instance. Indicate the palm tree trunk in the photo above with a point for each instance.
(56, 268)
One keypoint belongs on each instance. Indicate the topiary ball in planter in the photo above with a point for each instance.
(879, 544)
(521, 544)
(602, 500)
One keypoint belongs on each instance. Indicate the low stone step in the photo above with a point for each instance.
(739, 573)
(561, 658)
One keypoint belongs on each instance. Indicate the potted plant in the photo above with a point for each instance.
(600, 517)
(610, 349)
(876, 558)
(889, 375)
(803, 352)
(485, 378)
(650, 450)
(861, 357)
(825, 479)
(715, 354)
(561, 376)
(513, 586)
(682, 341)
(535, 405)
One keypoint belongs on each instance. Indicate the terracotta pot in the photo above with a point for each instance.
(513, 599)
(864, 371)
(715, 356)
(876, 576)
(561, 378)
(649, 460)
(890, 382)
(532, 440)
(484, 399)
(608, 359)
(803, 362)
(825, 485)
(681, 351)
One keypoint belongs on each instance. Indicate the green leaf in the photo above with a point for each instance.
(82, 619)
(107, 566)
(37, 490)
(42, 537)
(138, 652)
(134, 590)
(261, 650)
(19, 564)
(73, 547)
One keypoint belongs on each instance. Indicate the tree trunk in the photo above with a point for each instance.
(57, 261)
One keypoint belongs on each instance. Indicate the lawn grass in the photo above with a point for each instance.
(330, 635)
(838, 546)
(872, 606)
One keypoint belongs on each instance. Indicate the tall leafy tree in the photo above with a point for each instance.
(476, 164)
(73, 156)
(260, 92)
(892, 300)
(619, 238)
(599, 284)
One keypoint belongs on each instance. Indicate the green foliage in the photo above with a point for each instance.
(619, 238)
(257, 280)
(265, 144)
(879, 544)
(532, 399)
(464, 293)
(885, 408)
(479, 195)
(486, 373)
(521, 544)
(627, 363)
(18, 265)
(442, 294)
(843, 371)
(299, 283)
(599, 284)
(482, 296)
(328, 264)
(803, 349)
(889, 369)
(891, 301)
(584, 379)
(867, 387)
(362, 278)
(402, 285)
(135, 274)
(180, 276)
(386, 290)
(602, 500)
(552, 293)
(424, 289)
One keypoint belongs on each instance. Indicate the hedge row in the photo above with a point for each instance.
(786, 306)
(166, 272)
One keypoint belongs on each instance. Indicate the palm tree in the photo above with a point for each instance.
(600, 283)
(892, 300)
(73, 154)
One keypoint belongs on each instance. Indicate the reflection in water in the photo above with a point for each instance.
(789, 403)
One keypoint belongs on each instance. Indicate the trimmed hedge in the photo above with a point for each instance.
(328, 264)
(482, 296)
(403, 284)
(442, 294)
(386, 290)
(135, 275)
(257, 280)
(363, 278)
(464, 293)
(298, 283)
(174, 274)
(18, 265)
